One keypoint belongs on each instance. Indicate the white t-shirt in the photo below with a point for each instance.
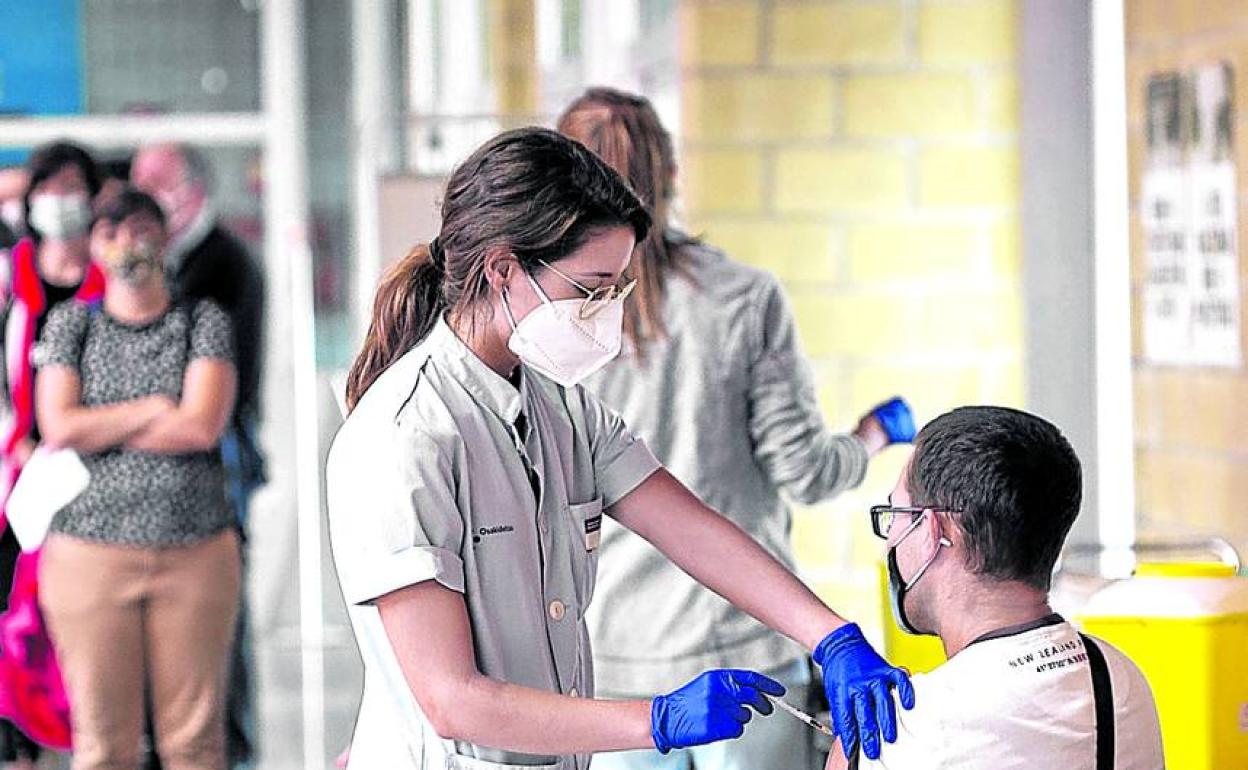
(1023, 701)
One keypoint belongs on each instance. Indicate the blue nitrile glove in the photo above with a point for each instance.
(857, 681)
(710, 708)
(896, 419)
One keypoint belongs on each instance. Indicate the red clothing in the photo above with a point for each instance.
(23, 296)
(32, 695)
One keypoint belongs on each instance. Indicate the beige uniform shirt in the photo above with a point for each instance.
(727, 403)
(445, 471)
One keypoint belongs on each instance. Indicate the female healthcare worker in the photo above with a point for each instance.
(467, 487)
(714, 381)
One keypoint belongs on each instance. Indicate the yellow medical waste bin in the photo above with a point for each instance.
(1186, 627)
(917, 654)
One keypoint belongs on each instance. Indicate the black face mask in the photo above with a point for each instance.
(898, 587)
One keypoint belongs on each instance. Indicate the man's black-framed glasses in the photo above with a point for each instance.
(884, 516)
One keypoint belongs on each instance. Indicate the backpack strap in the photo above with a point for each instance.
(1103, 698)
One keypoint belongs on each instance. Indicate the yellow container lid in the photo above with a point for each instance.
(1178, 569)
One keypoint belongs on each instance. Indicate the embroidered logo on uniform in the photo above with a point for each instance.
(498, 530)
(593, 532)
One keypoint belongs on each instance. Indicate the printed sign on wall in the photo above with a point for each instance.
(1188, 212)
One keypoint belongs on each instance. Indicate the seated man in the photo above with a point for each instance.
(974, 527)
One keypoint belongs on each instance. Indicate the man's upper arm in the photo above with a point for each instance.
(927, 735)
(837, 761)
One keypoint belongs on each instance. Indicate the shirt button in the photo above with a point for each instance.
(557, 610)
(574, 693)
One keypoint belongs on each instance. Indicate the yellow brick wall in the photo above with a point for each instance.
(1190, 424)
(866, 152)
(512, 46)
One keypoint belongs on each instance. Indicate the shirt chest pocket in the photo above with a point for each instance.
(585, 521)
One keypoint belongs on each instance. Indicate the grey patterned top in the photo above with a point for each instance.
(139, 498)
(727, 403)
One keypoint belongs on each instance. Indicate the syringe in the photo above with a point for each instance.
(803, 716)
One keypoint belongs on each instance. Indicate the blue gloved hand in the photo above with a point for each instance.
(896, 419)
(857, 681)
(710, 708)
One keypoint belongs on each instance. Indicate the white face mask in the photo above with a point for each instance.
(556, 341)
(60, 217)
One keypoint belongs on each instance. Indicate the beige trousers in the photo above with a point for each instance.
(128, 620)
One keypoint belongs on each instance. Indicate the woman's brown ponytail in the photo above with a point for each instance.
(407, 305)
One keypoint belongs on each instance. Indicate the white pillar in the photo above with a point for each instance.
(1059, 259)
(1115, 445)
(1076, 257)
(375, 140)
(295, 404)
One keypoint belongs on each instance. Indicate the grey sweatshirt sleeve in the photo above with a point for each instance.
(801, 455)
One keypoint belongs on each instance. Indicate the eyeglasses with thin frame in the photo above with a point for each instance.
(883, 516)
(595, 299)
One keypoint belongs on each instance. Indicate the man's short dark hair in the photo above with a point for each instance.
(1014, 477)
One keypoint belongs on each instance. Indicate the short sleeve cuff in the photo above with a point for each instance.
(42, 358)
(402, 569)
(633, 466)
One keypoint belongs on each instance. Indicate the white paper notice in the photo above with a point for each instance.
(1167, 307)
(1188, 202)
(1214, 284)
(50, 480)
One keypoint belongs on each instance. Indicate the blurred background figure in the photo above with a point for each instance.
(13, 184)
(140, 575)
(47, 267)
(205, 261)
(713, 379)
